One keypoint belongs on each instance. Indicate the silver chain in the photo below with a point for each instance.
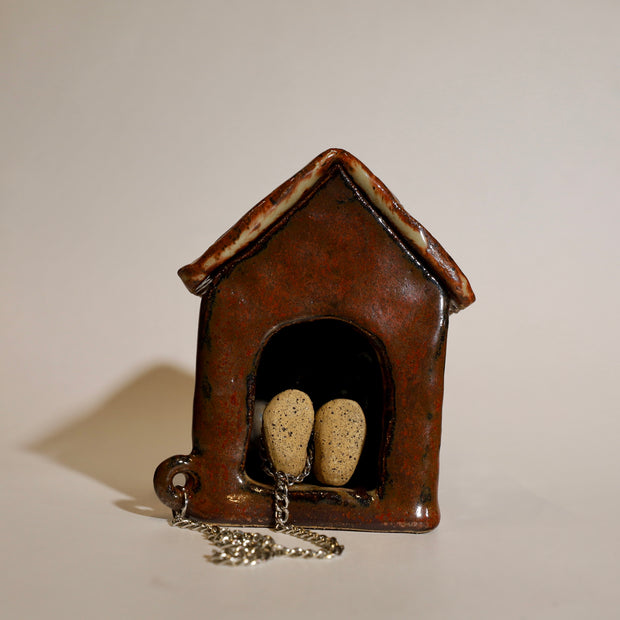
(239, 548)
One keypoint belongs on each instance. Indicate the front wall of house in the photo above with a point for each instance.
(329, 258)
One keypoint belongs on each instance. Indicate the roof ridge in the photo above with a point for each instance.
(263, 215)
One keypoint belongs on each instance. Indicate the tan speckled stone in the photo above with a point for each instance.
(287, 426)
(339, 433)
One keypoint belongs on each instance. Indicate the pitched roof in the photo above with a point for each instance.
(260, 218)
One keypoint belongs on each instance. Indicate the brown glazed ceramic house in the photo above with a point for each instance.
(329, 286)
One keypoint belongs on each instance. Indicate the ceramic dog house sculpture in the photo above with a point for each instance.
(329, 286)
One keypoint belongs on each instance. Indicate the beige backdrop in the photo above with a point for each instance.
(135, 133)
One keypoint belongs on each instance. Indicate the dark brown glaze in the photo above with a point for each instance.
(332, 263)
(428, 250)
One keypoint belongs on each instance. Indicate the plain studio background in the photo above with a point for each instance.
(135, 133)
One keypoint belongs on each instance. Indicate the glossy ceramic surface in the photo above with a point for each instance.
(329, 286)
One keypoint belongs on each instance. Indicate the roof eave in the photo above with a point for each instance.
(196, 275)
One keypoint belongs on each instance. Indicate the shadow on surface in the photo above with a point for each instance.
(121, 442)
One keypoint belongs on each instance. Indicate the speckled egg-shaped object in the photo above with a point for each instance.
(339, 433)
(287, 426)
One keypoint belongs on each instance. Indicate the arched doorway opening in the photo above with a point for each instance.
(327, 358)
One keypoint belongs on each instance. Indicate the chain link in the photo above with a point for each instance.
(239, 548)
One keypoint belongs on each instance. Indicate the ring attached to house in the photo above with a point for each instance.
(323, 327)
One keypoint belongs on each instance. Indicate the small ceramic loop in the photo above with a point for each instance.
(175, 496)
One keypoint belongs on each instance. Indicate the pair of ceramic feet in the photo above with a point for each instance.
(339, 431)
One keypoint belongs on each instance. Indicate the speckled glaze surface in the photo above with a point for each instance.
(287, 426)
(331, 263)
(339, 433)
